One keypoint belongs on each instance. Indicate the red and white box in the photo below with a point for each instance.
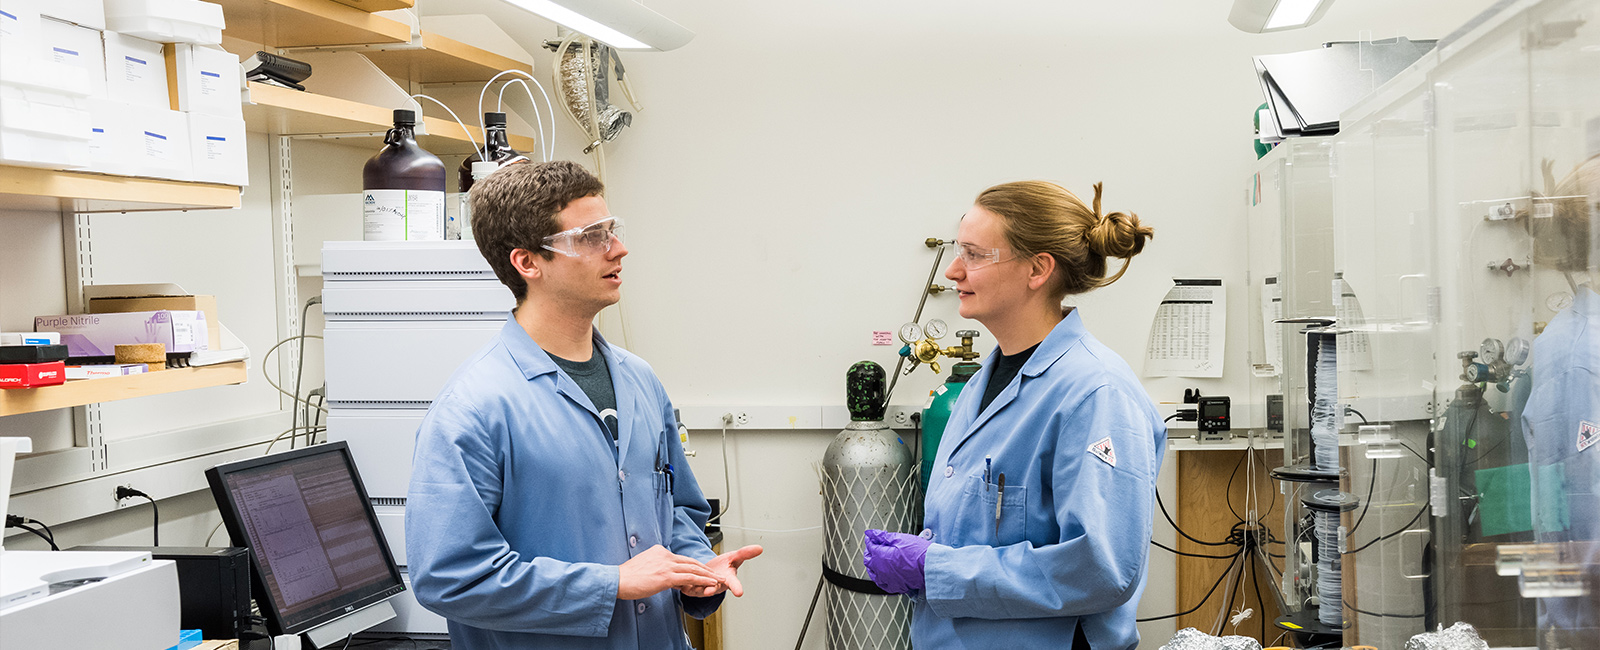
(113, 370)
(32, 375)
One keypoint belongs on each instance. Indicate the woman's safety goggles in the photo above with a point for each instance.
(975, 258)
(593, 239)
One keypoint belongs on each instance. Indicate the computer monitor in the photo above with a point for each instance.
(322, 568)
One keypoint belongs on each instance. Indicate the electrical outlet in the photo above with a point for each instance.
(741, 418)
(902, 417)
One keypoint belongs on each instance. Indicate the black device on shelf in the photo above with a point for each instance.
(316, 549)
(32, 353)
(1213, 421)
(213, 585)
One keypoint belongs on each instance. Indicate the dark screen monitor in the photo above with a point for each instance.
(316, 549)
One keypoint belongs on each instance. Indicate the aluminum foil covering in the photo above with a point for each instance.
(1192, 639)
(575, 82)
(1460, 636)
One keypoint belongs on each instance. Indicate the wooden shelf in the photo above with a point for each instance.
(90, 391)
(28, 188)
(305, 23)
(281, 111)
(378, 5)
(443, 60)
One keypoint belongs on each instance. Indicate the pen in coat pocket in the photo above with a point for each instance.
(999, 498)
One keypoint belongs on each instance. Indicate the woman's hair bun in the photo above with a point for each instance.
(1118, 234)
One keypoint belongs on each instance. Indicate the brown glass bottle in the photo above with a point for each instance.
(403, 187)
(496, 145)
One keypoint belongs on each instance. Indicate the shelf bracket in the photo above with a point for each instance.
(288, 277)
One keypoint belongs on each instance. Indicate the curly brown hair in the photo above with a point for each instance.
(516, 207)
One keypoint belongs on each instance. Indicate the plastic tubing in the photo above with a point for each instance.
(1325, 402)
(549, 149)
(464, 128)
(1330, 589)
(500, 102)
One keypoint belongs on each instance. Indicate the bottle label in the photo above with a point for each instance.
(403, 215)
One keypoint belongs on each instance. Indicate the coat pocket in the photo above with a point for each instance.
(991, 516)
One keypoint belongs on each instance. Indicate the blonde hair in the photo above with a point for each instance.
(1563, 240)
(1043, 217)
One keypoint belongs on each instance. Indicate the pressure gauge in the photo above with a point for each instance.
(910, 333)
(1477, 373)
(1517, 351)
(936, 329)
(1558, 301)
(1491, 351)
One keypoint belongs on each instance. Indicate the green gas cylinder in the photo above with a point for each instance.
(937, 413)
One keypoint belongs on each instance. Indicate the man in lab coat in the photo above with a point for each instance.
(550, 503)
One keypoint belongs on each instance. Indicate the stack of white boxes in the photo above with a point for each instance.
(45, 84)
(401, 317)
(129, 87)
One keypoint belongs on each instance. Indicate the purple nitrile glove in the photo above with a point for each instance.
(894, 560)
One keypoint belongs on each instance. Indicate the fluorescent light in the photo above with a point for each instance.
(622, 24)
(1290, 13)
(1257, 16)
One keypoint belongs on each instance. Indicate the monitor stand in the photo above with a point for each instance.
(337, 630)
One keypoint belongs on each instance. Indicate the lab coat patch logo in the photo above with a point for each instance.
(1588, 434)
(1103, 450)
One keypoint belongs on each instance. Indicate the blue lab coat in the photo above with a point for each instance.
(1074, 527)
(1562, 427)
(521, 507)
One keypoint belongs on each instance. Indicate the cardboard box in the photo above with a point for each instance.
(136, 71)
(167, 21)
(32, 375)
(30, 338)
(160, 143)
(204, 80)
(151, 302)
(40, 128)
(87, 13)
(217, 148)
(113, 370)
(111, 145)
(76, 46)
(19, 28)
(97, 335)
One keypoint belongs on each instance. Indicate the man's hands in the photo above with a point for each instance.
(726, 567)
(659, 569)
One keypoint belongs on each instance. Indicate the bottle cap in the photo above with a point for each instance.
(494, 119)
(405, 116)
(483, 168)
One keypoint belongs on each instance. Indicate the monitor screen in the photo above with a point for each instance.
(314, 541)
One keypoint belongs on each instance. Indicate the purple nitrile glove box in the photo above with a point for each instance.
(98, 335)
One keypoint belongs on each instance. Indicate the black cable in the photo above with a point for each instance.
(1365, 504)
(1390, 535)
(1174, 551)
(47, 540)
(1358, 414)
(1169, 418)
(1227, 494)
(1192, 610)
(1362, 611)
(1191, 538)
(46, 529)
(125, 492)
(810, 611)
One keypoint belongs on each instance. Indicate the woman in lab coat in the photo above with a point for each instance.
(1038, 509)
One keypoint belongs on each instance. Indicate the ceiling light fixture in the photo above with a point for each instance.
(1259, 16)
(622, 24)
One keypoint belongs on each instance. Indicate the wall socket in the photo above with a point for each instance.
(741, 418)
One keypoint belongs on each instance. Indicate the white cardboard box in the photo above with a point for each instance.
(136, 71)
(167, 21)
(160, 143)
(76, 46)
(40, 128)
(87, 13)
(217, 148)
(19, 28)
(111, 143)
(207, 80)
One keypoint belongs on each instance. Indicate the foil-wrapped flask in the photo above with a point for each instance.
(868, 481)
